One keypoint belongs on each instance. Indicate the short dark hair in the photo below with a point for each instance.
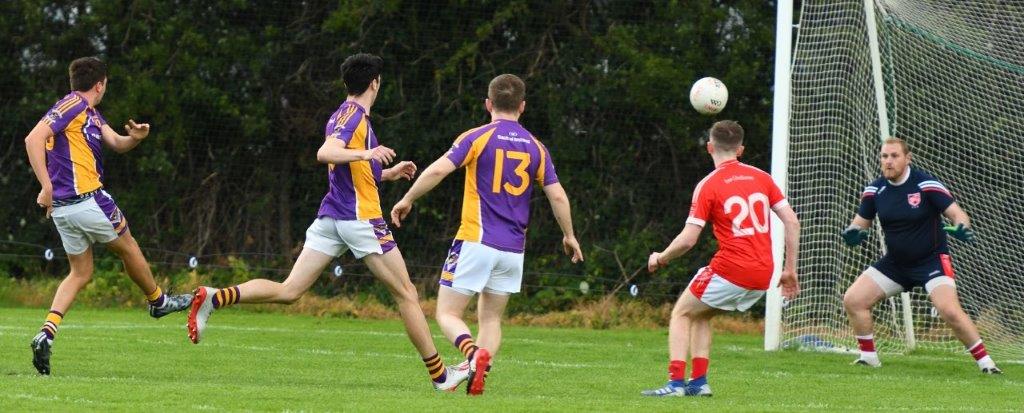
(85, 72)
(726, 135)
(892, 140)
(359, 70)
(506, 93)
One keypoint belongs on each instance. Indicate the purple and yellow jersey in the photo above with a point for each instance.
(502, 161)
(74, 154)
(353, 186)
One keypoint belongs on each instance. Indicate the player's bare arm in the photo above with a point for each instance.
(333, 151)
(956, 215)
(563, 214)
(124, 143)
(35, 145)
(402, 170)
(788, 279)
(860, 222)
(679, 246)
(960, 227)
(429, 179)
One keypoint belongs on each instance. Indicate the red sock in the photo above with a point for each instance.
(677, 370)
(978, 350)
(866, 343)
(700, 368)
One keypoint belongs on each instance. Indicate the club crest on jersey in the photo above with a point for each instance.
(914, 199)
(92, 120)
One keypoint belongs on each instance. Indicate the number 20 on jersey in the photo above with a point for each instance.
(755, 206)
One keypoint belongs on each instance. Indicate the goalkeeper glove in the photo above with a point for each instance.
(960, 232)
(854, 235)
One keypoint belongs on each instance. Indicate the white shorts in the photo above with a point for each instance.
(333, 237)
(714, 290)
(93, 220)
(473, 267)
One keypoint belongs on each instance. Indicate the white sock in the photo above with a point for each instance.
(986, 362)
(45, 337)
(869, 355)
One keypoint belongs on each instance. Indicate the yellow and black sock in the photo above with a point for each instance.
(435, 367)
(225, 297)
(466, 345)
(53, 320)
(156, 298)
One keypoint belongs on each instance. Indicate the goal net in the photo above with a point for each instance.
(953, 76)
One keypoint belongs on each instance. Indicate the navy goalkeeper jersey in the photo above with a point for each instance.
(910, 215)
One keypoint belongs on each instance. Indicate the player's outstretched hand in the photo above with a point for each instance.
(572, 248)
(401, 170)
(654, 262)
(790, 285)
(382, 154)
(137, 131)
(854, 235)
(960, 232)
(400, 211)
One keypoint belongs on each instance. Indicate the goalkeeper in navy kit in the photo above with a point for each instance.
(910, 205)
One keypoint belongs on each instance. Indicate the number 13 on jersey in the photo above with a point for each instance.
(521, 173)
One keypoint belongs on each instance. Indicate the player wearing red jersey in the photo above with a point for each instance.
(735, 199)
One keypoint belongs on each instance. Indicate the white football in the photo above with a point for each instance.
(708, 96)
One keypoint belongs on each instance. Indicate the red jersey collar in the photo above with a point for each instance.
(727, 163)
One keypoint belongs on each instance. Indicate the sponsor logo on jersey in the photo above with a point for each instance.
(734, 178)
(914, 199)
(512, 138)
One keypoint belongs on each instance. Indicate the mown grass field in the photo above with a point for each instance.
(118, 360)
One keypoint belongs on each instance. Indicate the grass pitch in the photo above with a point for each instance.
(117, 360)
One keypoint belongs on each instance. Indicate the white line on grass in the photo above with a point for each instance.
(51, 398)
(561, 343)
(134, 326)
(351, 353)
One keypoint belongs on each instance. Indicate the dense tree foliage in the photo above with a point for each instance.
(238, 93)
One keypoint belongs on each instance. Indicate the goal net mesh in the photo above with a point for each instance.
(953, 73)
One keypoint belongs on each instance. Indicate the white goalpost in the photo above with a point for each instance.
(948, 77)
(780, 150)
